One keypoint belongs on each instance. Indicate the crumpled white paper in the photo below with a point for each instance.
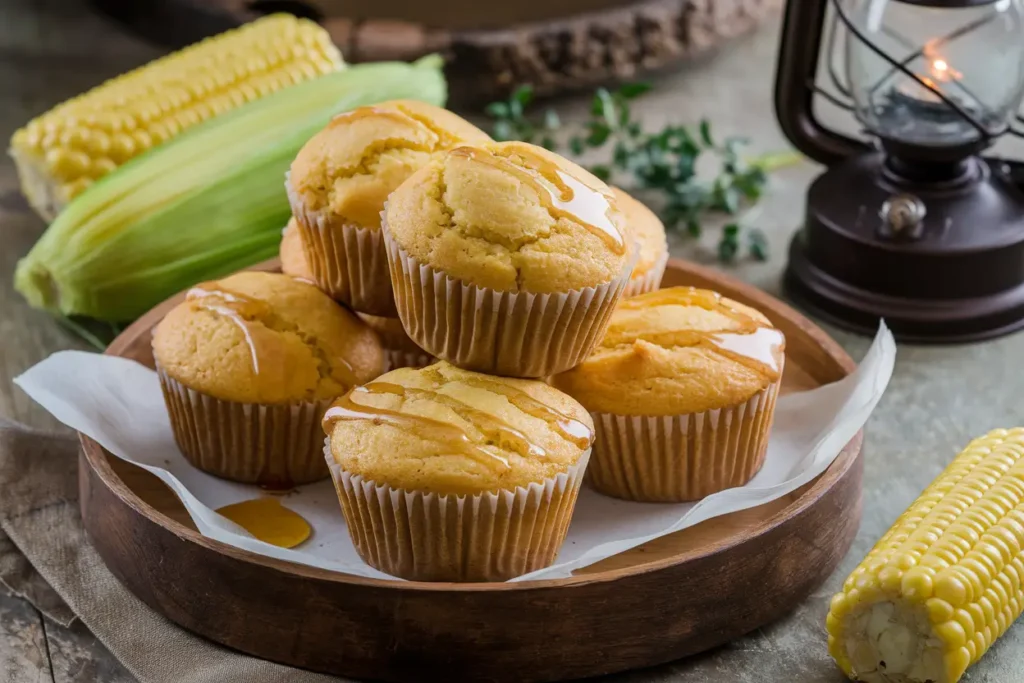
(118, 403)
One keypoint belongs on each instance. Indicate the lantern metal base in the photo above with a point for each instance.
(957, 276)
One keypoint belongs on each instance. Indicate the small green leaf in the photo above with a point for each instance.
(624, 114)
(551, 120)
(598, 134)
(705, 133)
(621, 156)
(601, 96)
(497, 110)
(731, 230)
(576, 145)
(731, 200)
(729, 245)
(693, 227)
(757, 243)
(523, 95)
(602, 172)
(548, 143)
(632, 90)
(515, 109)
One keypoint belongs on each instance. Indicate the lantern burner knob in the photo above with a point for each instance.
(903, 216)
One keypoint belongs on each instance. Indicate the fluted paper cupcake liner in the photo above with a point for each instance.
(277, 446)
(649, 281)
(681, 458)
(429, 537)
(394, 359)
(348, 262)
(513, 334)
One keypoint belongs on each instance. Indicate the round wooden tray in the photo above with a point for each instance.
(491, 47)
(670, 598)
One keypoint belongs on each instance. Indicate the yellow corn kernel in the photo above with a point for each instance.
(128, 115)
(946, 580)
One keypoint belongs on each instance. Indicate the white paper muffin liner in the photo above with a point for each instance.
(276, 446)
(680, 458)
(649, 281)
(512, 334)
(394, 359)
(348, 262)
(429, 537)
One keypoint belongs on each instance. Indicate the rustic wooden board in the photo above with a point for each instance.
(556, 45)
(676, 596)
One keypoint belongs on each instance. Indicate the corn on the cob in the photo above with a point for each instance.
(63, 151)
(945, 581)
(201, 206)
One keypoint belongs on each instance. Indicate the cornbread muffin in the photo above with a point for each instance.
(402, 447)
(489, 242)
(293, 254)
(648, 232)
(399, 350)
(340, 180)
(248, 365)
(682, 389)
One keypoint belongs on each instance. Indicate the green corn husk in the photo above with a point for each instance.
(209, 202)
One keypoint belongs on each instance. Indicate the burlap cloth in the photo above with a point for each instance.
(46, 558)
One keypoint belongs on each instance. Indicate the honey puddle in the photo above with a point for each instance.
(269, 521)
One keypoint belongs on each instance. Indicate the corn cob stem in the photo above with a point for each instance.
(945, 581)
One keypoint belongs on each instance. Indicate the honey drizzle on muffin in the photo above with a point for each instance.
(240, 309)
(569, 428)
(345, 408)
(500, 432)
(495, 429)
(753, 345)
(573, 200)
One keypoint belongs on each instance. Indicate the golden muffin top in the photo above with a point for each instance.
(293, 254)
(391, 332)
(646, 229)
(451, 431)
(676, 351)
(512, 217)
(265, 338)
(347, 170)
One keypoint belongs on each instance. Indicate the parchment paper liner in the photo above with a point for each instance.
(277, 446)
(649, 281)
(681, 458)
(428, 537)
(513, 334)
(394, 359)
(348, 262)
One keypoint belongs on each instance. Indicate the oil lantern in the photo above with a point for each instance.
(912, 221)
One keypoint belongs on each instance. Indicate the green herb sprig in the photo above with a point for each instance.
(662, 163)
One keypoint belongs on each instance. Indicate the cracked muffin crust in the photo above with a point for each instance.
(512, 217)
(677, 350)
(346, 171)
(265, 338)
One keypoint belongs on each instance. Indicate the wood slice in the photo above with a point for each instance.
(555, 45)
(673, 597)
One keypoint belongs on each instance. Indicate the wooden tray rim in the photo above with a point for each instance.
(97, 459)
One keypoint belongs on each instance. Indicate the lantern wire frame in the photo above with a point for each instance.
(902, 66)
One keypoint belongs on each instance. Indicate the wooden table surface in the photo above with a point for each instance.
(939, 397)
